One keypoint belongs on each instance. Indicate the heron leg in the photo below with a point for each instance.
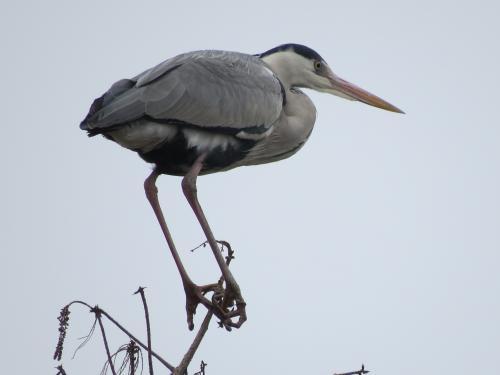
(232, 293)
(194, 293)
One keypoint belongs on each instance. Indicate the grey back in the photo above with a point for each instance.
(202, 88)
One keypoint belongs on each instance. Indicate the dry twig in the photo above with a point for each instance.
(359, 372)
(133, 356)
(148, 327)
(97, 313)
(202, 369)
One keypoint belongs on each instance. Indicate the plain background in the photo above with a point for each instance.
(377, 243)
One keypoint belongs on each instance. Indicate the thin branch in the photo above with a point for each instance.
(97, 312)
(124, 330)
(230, 251)
(359, 372)
(202, 369)
(205, 243)
(148, 327)
(220, 299)
(181, 369)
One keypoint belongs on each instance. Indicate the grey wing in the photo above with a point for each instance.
(230, 91)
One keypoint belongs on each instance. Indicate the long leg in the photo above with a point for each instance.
(232, 290)
(194, 293)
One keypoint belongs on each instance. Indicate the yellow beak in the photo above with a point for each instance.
(353, 92)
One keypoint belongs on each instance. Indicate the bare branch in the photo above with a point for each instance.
(97, 313)
(202, 369)
(148, 328)
(181, 369)
(359, 372)
(230, 251)
(125, 331)
(205, 243)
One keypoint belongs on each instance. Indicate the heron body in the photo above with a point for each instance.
(239, 109)
(209, 111)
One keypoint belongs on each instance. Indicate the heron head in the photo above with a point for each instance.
(300, 66)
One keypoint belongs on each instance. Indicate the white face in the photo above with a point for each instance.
(295, 70)
(318, 76)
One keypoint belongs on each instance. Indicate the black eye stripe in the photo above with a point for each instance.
(304, 51)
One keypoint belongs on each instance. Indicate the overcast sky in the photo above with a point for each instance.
(377, 243)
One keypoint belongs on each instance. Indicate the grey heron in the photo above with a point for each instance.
(209, 111)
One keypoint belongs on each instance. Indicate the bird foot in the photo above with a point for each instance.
(233, 306)
(195, 295)
(226, 303)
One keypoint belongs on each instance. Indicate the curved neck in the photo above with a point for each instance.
(289, 68)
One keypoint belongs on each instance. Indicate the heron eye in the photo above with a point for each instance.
(317, 65)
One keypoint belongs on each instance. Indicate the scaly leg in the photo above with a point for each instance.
(232, 290)
(194, 293)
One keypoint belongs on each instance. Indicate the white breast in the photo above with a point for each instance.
(290, 132)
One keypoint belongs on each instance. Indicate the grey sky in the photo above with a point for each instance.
(377, 243)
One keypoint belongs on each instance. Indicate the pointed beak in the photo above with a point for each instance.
(348, 90)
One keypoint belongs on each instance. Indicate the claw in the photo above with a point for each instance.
(194, 296)
(222, 300)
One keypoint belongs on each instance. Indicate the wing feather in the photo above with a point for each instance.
(204, 88)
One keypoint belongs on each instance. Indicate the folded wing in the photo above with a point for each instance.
(226, 91)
